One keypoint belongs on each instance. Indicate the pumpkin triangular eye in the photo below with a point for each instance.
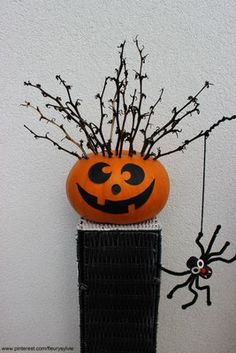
(96, 173)
(136, 173)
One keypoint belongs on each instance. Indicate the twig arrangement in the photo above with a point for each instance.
(124, 113)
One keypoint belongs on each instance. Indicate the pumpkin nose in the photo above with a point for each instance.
(116, 189)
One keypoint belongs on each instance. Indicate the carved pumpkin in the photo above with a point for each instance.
(117, 190)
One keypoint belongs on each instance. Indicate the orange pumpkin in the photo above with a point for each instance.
(117, 190)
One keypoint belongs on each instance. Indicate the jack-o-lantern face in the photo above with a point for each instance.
(118, 190)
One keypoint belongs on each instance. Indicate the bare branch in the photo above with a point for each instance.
(212, 127)
(45, 137)
(105, 146)
(73, 115)
(151, 112)
(140, 77)
(117, 98)
(60, 126)
(170, 126)
(199, 135)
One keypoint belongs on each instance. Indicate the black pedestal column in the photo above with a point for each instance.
(119, 285)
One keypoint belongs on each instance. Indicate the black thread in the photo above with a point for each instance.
(203, 182)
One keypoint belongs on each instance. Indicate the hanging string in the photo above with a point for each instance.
(206, 134)
(203, 182)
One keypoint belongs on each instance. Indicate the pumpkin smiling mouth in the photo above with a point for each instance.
(117, 207)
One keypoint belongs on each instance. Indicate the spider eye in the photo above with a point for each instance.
(195, 270)
(200, 263)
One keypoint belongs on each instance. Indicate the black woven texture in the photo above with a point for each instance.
(119, 284)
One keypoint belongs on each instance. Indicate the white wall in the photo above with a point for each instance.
(189, 42)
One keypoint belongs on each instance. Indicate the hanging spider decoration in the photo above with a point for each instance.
(199, 268)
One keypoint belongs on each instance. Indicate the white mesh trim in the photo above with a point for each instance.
(151, 224)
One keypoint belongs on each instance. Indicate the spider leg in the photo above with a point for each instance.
(178, 286)
(220, 252)
(213, 239)
(185, 306)
(197, 241)
(228, 261)
(174, 272)
(207, 288)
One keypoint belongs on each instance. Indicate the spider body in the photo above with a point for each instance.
(199, 268)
